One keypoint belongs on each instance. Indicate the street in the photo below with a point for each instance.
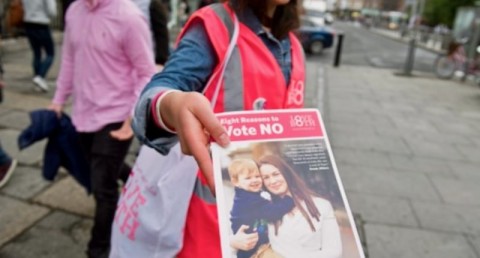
(363, 47)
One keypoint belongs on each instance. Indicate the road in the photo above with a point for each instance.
(365, 48)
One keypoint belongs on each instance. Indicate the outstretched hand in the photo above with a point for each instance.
(190, 115)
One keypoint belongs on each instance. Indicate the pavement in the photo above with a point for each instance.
(433, 45)
(38, 218)
(407, 150)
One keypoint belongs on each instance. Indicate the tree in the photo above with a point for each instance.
(443, 11)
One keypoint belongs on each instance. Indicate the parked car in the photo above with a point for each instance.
(314, 38)
(319, 17)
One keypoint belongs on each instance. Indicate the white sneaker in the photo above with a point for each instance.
(40, 83)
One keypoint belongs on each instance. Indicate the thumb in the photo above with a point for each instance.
(243, 228)
(212, 125)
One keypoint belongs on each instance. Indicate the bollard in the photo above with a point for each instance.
(408, 67)
(338, 51)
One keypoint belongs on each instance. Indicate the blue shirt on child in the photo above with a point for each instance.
(251, 209)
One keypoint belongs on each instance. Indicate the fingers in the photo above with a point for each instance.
(56, 108)
(194, 121)
(195, 142)
(122, 134)
(243, 228)
(203, 112)
(251, 240)
(116, 135)
(213, 126)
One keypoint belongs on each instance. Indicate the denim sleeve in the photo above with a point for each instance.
(187, 69)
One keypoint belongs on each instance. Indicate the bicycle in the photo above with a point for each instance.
(456, 60)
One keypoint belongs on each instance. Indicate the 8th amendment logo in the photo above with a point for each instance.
(306, 120)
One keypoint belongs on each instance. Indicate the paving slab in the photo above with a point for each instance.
(395, 211)
(457, 127)
(372, 143)
(454, 218)
(359, 119)
(25, 183)
(339, 128)
(465, 171)
(50, 238)
(456, 191)
(386, 241)
(381, 182)
(4, 110)
(475, 242)
(435, 150)
(15, 120)
(352, 156)
(472, 153)
(67, 195)
(408, 124)
(430, 166)
(26, 101)
(450, 138)
(30, 156)
(16, 216)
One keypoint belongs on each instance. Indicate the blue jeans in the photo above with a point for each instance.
(4, 158)
(40, 38)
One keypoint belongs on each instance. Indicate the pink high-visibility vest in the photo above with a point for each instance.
(252, 80)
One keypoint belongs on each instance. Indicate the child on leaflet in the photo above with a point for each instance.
(252, 207)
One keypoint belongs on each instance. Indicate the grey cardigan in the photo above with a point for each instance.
(39, 11)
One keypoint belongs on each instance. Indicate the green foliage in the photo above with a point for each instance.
(443, 11)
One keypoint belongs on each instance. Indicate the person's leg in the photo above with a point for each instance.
(107, 159)
(31, 31)
(4, 157)
(7, 166)
(47, 44)
(125, 172)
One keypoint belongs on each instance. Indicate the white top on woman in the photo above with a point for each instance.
(296, 239)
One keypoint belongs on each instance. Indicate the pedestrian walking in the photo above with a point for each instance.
(36, 18)
(107, 59)
(161, 39)
(156, 12)
(217, 66)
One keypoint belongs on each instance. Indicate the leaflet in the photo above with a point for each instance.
(279, 193)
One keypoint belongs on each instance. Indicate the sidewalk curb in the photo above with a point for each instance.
(404, 40)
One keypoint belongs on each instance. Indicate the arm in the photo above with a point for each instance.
(276, 209)
(186, 111)
(137, 46)
(187, 70)
(65, 76)
(266, 209)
